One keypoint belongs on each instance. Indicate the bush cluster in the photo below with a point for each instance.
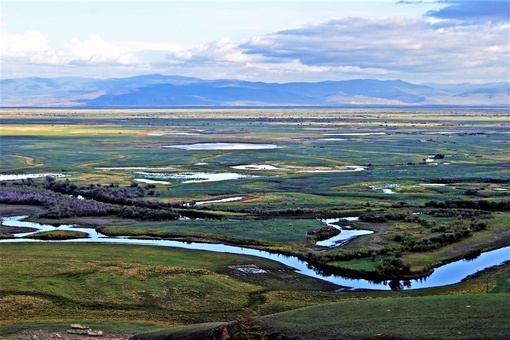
(449, 233)
(112, 193)
(383, 217)
(503, 205)
(62, 206)
(396, 216)
(449, 180)
(459, 213)
(393, 267)
(322, 233)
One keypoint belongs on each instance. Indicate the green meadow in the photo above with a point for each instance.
(432, 185)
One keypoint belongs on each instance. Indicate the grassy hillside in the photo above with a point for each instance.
(124, 290)
(443, 317)
(433, 317)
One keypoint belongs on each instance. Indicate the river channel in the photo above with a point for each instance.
(447, 274)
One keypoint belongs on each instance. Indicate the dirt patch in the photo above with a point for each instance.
(28, 160)
(9, 231)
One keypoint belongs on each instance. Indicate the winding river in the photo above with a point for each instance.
(444, 275)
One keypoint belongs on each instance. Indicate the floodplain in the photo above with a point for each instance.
(427, 186)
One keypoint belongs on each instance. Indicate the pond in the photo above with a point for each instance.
(346, 168)
(167, 133)
(135, 168)
(150, 181)
(222, 146)
(222, 200)
(386, 188)
(356, 134)
(188, 177)
(444, 275)
(441, 132)
(256, 167)
(14, 177)
(17, 221)
(347, 233)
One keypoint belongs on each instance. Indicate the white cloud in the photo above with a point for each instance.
(404, 47)
(92, 50)
(24, 44)
(416, 50)
(220, 51)
(411, 49)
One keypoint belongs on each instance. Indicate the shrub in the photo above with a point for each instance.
(393, 267)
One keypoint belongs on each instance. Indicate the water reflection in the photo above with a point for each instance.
(447, 274)
(17, 221)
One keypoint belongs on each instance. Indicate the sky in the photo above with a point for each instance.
(441, 41)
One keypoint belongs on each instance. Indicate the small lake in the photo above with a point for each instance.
(150, 181)
(222, 200)
(256, 167)
(188, 177)
(14, 177)
(347, 233)
(134, 168)
(168, 133)
(385, 188)
(222, 146)
(332, 139)
(447, 274)
(356, 134)
(17, 221)
(441, 132)
(347, 168)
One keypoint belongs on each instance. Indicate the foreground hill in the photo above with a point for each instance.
(156, 90)
(469, 316)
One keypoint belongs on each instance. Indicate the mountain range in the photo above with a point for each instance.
(155, 90)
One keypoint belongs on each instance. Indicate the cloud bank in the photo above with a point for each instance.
(459, 41)
(400, 47)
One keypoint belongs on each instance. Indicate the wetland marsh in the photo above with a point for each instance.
(430, 187)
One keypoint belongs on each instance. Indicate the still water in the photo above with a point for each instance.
(444, 275)
(347, 233)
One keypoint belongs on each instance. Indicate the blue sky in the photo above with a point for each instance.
(445, 41)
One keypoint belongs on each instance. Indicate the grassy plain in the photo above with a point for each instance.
(317, 152)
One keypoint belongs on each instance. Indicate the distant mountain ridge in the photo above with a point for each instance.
(155, 90)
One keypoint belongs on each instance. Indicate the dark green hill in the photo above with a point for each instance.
(469, 316)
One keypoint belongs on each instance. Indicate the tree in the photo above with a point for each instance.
(393, 267)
